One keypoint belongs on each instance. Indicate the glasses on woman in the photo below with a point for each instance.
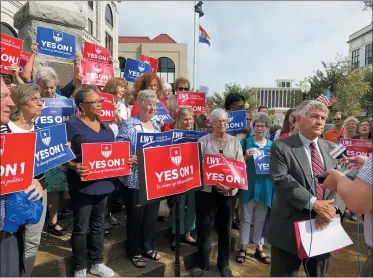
(182, 89)
(36, 100)
(94, 101)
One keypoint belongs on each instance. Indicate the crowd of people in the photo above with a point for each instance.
(271, 204)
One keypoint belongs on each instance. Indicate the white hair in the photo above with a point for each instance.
(44, 73)
(307, 105)
(166, 86)
(349, 119)
(145, 95)
(262, 118)
(218, 114)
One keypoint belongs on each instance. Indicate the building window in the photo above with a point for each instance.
(283, 84)
(109, 43)
(8, 30)
(355, 58)
(287, 84)
(90, 4)
(90, 26)
(109, 15)
(166, 70)
(369, 54)
(122, 63)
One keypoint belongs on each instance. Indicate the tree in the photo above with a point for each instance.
(367, 5)
(351, 90)
(248, 93)
(329, 76)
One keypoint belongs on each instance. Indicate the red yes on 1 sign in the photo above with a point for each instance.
(107, 108)
(23, 61)
(178, 172)
(11, 49)
(357, 147)
(153, 62)
(106, 160)
(96, 53)
(196, 100)
(17, 156)
(95, 73)
(228, 172)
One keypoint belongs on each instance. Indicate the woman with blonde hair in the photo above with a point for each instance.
(185, 121)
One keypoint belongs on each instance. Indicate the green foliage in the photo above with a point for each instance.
(248, 93)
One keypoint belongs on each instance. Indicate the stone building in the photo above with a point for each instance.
(172, 56)
(361, 47)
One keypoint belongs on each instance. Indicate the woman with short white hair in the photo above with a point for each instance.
(47, 79)
(141, 219)
(167, 90)
(217, 197)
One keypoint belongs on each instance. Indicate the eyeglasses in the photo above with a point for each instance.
(36, 100)
(335, 119)
(182, 89)
(94, 102)
(259, 126)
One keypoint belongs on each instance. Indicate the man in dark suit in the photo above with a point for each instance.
(295, 163)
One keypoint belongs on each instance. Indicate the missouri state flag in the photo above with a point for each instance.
(203, 36)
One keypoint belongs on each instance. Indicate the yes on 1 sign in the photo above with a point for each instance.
(179, 171)
(55, 111)
(228, 172)
(134, 69)
(149, 140)
(153, 62)
(236, 122)
(161, 114)
(51, 149)
(23, 61)
(17, 152)
(95, 73)
(196, 100)
(55, 43)
(357, 147)
(96, 53)
(261, 161)
(107, 108)
(11, 50)
(106, 160)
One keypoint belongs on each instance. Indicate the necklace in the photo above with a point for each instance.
(219, 143)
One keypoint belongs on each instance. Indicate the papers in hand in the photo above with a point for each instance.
(312, 242)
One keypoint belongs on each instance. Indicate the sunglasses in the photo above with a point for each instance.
(182, 89)
(336, 119)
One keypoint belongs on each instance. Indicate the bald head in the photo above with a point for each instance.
(5, 103)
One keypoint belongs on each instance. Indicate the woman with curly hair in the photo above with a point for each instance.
(149, 81)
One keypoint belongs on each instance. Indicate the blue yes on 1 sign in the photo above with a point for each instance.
(236, 122)
(55, 43)
(180, 136)
(161, 114)
(134, 69)
(51, 150)
(55, 111)
(261, 160)
(147, 140)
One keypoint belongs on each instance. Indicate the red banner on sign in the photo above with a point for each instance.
(357, 147)
(10, 49)
(196, 100)
(178, 172)
(96, 53)
(107, 108)
(106, 160)
(226, 171)
(95, 73)
(23, 61)
(153, 62)
(17, 156)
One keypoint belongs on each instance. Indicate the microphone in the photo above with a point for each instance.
(339, 152)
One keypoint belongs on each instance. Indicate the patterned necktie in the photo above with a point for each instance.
(317, 169)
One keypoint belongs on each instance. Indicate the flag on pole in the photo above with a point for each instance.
(327, 97)
(203, 36)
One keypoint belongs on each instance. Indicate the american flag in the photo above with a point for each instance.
(327, 97)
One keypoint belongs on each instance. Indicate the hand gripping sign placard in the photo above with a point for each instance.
(10, 51)
(96, 53)
(17, 152)
(196, 100)
(51, 148)
(178, 173)
(106, 160)
(226, 171)
(55, 43)
(357, 147)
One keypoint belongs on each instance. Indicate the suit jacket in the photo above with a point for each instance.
(291, 175)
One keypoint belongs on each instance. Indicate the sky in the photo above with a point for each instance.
(252, 43)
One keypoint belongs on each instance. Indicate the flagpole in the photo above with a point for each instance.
(196, 35)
